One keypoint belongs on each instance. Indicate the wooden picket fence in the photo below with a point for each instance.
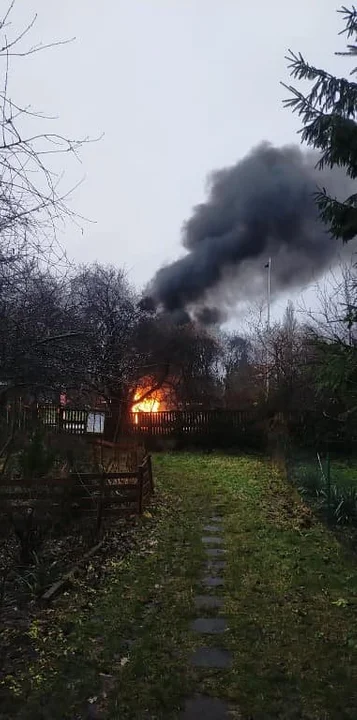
(187, 422)
(97, 495)
(68, 420)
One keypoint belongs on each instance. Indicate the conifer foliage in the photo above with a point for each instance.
(328, 114)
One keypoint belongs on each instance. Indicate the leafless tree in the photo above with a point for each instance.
(183, 358)
(240, 373)
(333, 317)
(332, 331)
(33, 199)
(106, 311)
(33, 204)
(280, 352)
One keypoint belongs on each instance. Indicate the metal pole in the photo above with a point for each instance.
(269, 291)
(268, 325)
(328, 474)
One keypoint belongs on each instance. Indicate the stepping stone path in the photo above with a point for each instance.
(207, 657)
(214, 565)
(208, 601)
(214, 552)
(212, 540)
(205, 707)
(202, 706)
(213, 528)
(211, 581)
(211, 626)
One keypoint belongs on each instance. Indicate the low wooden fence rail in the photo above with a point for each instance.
(68, 420)
(187, 422)
(94, 494)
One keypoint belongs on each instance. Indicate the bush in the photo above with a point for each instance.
(338, 502)
(342, 504)
(37, 458)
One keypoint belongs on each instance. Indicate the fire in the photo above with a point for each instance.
(148, 400)
(149, 404)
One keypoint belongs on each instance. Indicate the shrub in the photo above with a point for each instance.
(37, 458)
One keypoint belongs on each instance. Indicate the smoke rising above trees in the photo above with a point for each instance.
(263, 205)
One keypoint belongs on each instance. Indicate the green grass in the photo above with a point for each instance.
(289, 592)
(343, 473)
(335, 499)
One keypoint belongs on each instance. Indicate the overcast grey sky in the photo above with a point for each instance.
(179, 87)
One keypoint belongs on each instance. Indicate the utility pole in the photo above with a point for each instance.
(268, 266)
(269, 290)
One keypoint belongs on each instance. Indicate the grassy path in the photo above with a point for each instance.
(289, 598)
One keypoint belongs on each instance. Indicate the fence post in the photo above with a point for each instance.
(328, 478)
(60, 419)
(100, 504)
(141, 483)
(149, 463)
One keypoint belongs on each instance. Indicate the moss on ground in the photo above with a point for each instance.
(290, 601)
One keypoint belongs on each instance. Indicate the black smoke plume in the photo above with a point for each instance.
(262, 206)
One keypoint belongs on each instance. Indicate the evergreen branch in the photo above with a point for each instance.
(336, 137)
(301, 70)
(328, 115)
(327, 92)
(340, 216)
(350, 18)
(300, 104)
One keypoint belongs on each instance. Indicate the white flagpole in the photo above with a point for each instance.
(269, 290)
(268, 325)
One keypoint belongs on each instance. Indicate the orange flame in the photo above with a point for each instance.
(147, 400)
(149, 404)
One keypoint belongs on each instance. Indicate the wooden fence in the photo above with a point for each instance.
(94, 494)
(173, 423)
(74, 421)
(127, 454)
(188, 422)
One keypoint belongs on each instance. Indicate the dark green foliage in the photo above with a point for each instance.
(36, 577)
(37, 458)
(337, 503)
(328, 115)
(343, 504)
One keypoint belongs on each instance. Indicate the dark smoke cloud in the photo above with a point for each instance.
(261, 206)
(209, 315)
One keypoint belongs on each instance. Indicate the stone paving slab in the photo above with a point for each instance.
(208, 601)
(212, 540)
(202, 706)
(209, 626)
(213, 528)
(206, 657)
(214, 552)
(211, 581)
(213, 565)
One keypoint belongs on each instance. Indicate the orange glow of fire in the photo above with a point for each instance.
(149, 404)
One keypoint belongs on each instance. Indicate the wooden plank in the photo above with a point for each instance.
(107, 476)
(117, 511)
(57, 586)
(106, 500)
(140, 494)
(62, 492)
(69, 479)
(17, 497)
(31, 503)
(107, 487)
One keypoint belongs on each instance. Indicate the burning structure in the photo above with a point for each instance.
(262, 206)
(151, 396)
